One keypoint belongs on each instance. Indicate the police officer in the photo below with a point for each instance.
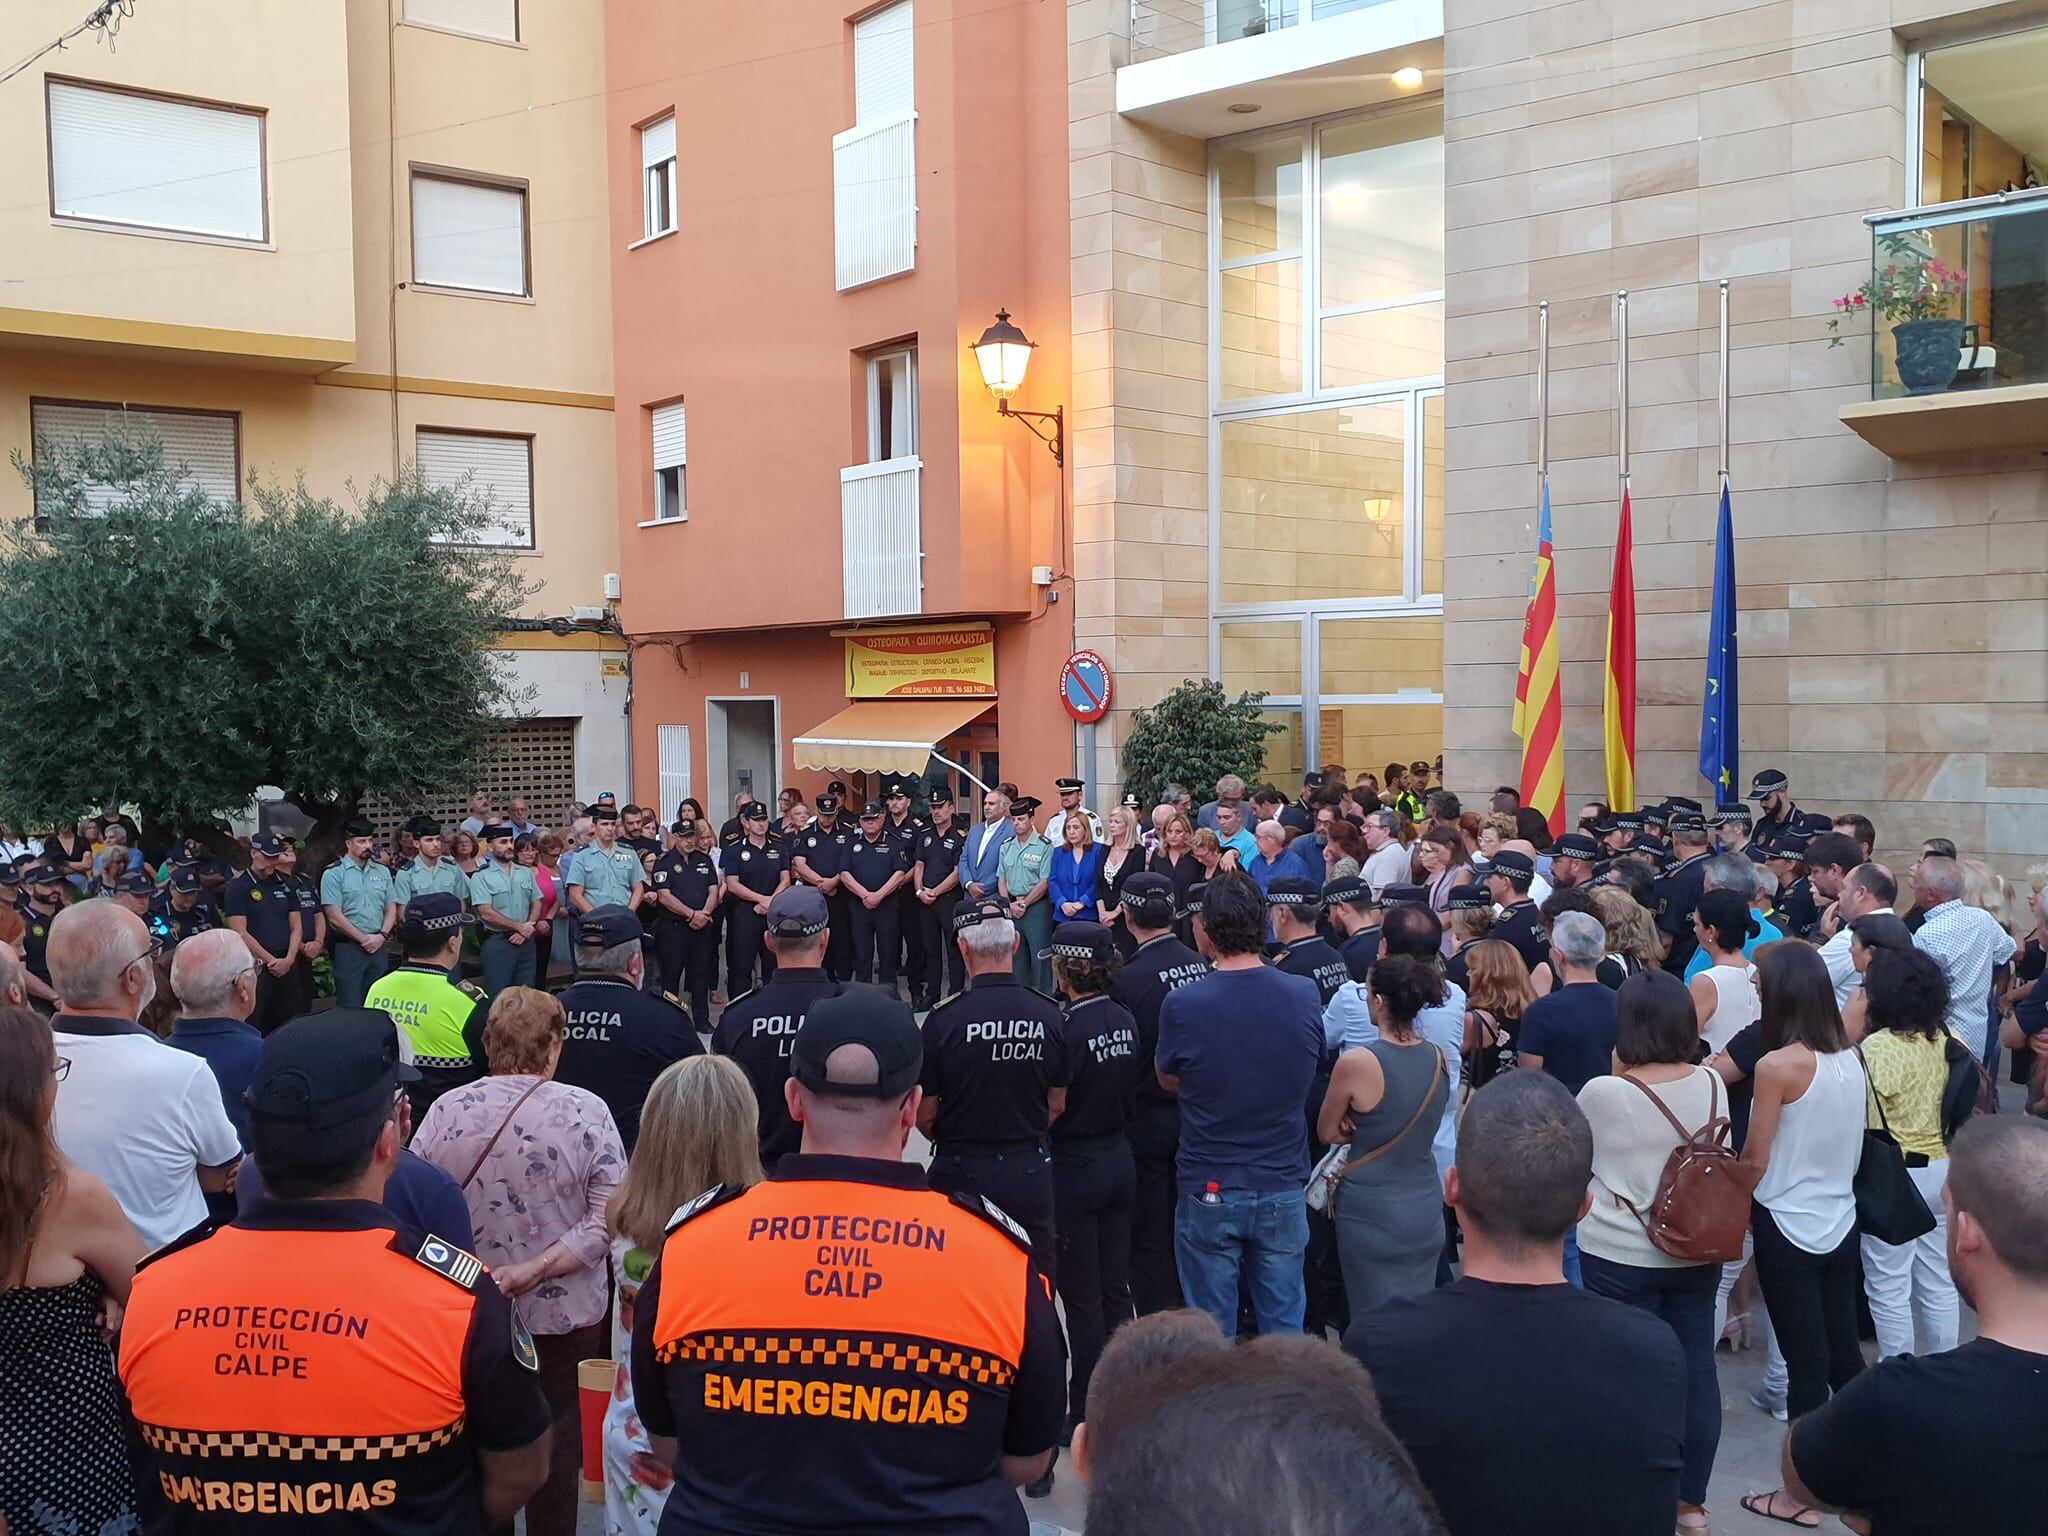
(907, 829)
(1795, 901)
(431, 869)
(42, 900)
(935, 890)
(995, 1074)
(1462, 898)
(1574, 860)
(1507, 881)
(440, 1018)
(754, 871)
(758, 1028)
(362, 909)
(1296, 905)
(312, 924)
(1776, 811)
(1355, 913)
(1730, 825)
(1070, 791)
(1679, 888)
(315, 1362)
(134, 892)
(262, 906)
(818, 858)
(905, 1372)
(620, 1037)
(686, 902)
(1160, 963)
(507, 898)
(876, 869)
(604, 873)
(1094, 1181)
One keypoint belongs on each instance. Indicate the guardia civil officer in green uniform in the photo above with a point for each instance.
(432, 869)
(362, 909)
(440, 1019)
(507, 899)
(605, 873)
(262, 905)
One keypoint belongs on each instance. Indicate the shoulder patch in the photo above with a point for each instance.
(449, 1261)
(716, 1195)
(949, 998)
(470, 989)
(733, 1002)
(198, 1234)
(994, 1215)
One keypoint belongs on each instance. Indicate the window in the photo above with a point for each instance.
(672, 757)
(153, 162)
(658, 173)
(468, 235)
(495, 19)
(892, 405)
(495, 466)
(883, 65)
(202, 447)
(874, 163)
(671, 463)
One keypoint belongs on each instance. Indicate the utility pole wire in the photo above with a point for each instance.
(107, 17)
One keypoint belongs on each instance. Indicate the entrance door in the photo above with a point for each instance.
(742, 751)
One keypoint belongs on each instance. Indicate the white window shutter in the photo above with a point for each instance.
(200, 448)
(467, 235)
(495, 467)
(125, 159)
(672, 753)
(657, 143)
(883, 64)
(496, 19)
(671, 442)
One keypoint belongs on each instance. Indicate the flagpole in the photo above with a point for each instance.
(1724, 381)
(1621, 309)
(1543, 391)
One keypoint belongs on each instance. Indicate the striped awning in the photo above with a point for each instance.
(884, 735)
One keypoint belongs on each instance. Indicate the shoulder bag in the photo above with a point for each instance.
(1888, 1203)
(503, 1126)
(1337, 1164)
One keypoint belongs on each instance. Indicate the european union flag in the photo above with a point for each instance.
(1720, 710)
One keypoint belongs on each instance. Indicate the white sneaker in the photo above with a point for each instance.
(1774, 1406)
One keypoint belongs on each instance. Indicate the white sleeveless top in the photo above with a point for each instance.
(1736, 1004)
(1809, 1186)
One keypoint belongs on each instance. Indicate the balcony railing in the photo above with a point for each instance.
(874, 200)
(1968, 290)
(1161, 27)
(881, 539)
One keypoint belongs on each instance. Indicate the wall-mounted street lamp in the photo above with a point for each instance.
(1004, 353)
(1379, 513)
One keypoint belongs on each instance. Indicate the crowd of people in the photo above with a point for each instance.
(1485, 1138)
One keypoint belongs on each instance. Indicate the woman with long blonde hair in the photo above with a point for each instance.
(1122, 857)
(699, 1129)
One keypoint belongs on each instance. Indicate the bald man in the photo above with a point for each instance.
(148, 1121)
(214, 975)
(13, 990)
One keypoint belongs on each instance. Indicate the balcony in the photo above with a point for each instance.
(1958, 340)
(874, 200)
(1161, 27)
(881, 539)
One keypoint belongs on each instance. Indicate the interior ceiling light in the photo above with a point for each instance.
(1244, 108)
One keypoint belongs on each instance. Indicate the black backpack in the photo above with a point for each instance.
(1970, 1091)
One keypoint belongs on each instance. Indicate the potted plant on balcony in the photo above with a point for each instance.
(1916, 291)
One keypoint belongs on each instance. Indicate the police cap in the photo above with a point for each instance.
(1470, 897)
(1149, 898)
(969, 913)
(134, 884)
(827, 803)
(10, 872)
(1654, 815)
(604, 813)
(754, 810)
(797, 913)
(1681, 803)
(423, 826)
(871, 810)
(836, 787)
(1345, 890)
(1294, 891)
(1514, 863)
(324, 1070)
(269, 844)
(1769, 781)
(937, 795)
(1025, 805)
(494, 831)
(184, 881)
(1628, 821)
(1080, 941)
(607, 927)
(42, 874)
(358, 826)
(1196, 892)
(1068, 786)
(867, 1017)
(1575, 845)
(1404, 895)
(436, 912)
(683, 828)
(1731, 816)
(1683, 820)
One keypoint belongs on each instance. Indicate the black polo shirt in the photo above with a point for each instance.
(619, 1040)
(271, 905)
(689, 877)
(992, 1054)
(1318, 960)
(758, 870)
(1158, 966)
(824, 849)
(1522, 927)
(757, 1030)
(1678, 896)
(939, 852)
(1102, 1054)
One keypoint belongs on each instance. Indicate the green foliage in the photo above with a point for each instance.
(161, 649)
(1192, 737)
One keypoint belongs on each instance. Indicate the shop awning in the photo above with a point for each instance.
(884, 735)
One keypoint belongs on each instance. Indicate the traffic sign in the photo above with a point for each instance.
(1085, 686)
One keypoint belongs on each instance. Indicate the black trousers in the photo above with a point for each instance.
(1155, 1141)
(1095, 1195)
(839, 936)
(688, 958)
(277, 999)
(945, 972)
(908, 911)
(1019, 1182)
(1811, 1298)
(876, 933)
(744, 949)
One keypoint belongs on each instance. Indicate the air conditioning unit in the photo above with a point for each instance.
(583, 614)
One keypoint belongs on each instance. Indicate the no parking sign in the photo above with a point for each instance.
(1085, 686)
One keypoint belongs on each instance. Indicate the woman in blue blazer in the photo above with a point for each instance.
(1071, 886)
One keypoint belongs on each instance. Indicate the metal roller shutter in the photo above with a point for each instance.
(201, 447)
(497, 19)
(883, 65)
(120, 158)
(671, 437)
(468, 235)
(496, 467)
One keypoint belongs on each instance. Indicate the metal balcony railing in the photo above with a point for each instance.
(1162, 27)
(881, 539)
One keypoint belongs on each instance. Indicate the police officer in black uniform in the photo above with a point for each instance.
(906, 828)
(1160, 964)
(757, 1028)
(1296, 905)
(1094, 1181)
(876, 869)
(754, 869)
(184, 906)
(312, 924)
(1355, 913)
(1680, 887)
(995, 1075)
(935, 896)
(1508, 878)
(1457, 968)
(42, 900)
(818, 858)
(1795, 902)
(1776, 811)
(263, 906)
(620, 1037)
(686, 901)
(1731, 824)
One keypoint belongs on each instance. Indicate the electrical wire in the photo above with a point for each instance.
(106, 17)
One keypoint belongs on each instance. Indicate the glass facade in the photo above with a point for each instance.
(1327, 488)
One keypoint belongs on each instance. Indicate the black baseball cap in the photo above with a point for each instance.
(324, 1070)
(867, 1017)
(1080, 941)
(185, 881)
(607, 927)
(1294, 891)
(42, 874)
(10, 872)
(797, 913)
(872, 809)
(1149, 898)
(433, 912)
(269, 844)
(134, 884)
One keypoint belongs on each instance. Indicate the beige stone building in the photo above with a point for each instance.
(376, 235)
(1305, 378)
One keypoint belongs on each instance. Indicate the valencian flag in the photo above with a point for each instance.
(1539, 710)
(1618, 711)
(1720, 709)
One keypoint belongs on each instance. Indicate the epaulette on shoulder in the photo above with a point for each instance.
(994, 1215)
(950, 997)
(734, 1002)
(457, 1265)
(1040, 992)
(197, 1235)
(471, 990)
(716, 1195)
(673, 1001)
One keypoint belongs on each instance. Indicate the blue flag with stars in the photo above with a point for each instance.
(1720, 709)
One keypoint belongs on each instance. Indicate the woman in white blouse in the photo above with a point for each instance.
(1724, 995)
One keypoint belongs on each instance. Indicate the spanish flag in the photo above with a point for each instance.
(1618, 711)
(1539, 710)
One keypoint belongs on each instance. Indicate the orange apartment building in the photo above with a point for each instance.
(828, 532)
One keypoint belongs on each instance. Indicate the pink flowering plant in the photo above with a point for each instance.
(1913, 284)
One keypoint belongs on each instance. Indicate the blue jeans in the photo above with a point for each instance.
(1684, 1298)
(1571, 1258)
(1259, 1237)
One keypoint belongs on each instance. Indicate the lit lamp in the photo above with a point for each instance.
(1379, 511)
(1004, 355)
